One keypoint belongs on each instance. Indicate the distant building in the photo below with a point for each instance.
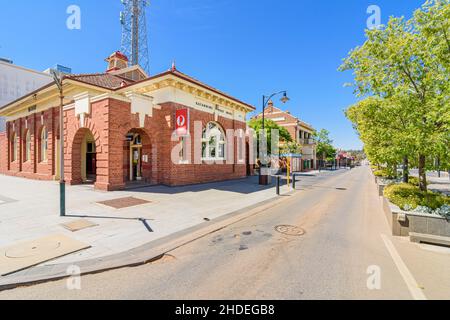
(59, 69)
(345, 159)
(300, 131)
(16, 81)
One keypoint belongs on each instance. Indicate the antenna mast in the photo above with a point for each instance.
(134, 32)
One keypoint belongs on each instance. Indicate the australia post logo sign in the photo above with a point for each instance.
(182, 122)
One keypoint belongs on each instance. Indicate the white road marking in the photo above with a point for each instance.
(2, 202)
(411, 283)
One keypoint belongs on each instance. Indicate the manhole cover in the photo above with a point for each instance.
(290, 230)
(32, 250)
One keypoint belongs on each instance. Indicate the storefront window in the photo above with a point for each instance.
(44, 144)
(213, 142)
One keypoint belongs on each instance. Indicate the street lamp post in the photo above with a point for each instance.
(263, 176)
(62, 183)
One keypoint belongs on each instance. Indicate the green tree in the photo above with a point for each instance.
(269, 126)
(291, 148)
(405, 64)
(383, 125)
(325, 149)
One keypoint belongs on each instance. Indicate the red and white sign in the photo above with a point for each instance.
(182, 122)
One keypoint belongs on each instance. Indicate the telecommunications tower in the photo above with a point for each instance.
(134, 32)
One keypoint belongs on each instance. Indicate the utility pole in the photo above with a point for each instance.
(62, 183)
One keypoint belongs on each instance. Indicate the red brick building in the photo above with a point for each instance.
(301, 133)
(119, 129)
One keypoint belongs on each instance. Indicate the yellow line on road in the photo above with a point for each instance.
(411, 283)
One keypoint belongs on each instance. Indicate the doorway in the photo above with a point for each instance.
(136, 158)
(247, 160)
(91, 161)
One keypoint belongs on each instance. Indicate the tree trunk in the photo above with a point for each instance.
(438, 165)
(405, 169)
(422, 173)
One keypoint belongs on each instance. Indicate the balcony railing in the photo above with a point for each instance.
(307, 142)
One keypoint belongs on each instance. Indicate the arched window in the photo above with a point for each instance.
(14, 146)
(44, 144)
(27, 147)
(213, 142)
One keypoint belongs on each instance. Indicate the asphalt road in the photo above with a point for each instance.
(345, 237)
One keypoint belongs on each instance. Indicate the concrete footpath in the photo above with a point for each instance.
(165, 219)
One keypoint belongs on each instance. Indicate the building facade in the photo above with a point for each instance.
(301, 132)
(16, 82)
(119, 129)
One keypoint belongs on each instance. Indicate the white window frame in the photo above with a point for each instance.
(44, 145)
(213, 131)
(27, 154)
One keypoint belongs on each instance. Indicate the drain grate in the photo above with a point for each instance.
(122, 203)
(290, 230)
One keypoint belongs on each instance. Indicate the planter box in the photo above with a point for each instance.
(381, 189)
(403, 223)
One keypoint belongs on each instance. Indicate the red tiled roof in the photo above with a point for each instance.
(104, 80)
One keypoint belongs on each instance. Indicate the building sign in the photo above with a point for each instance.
(182, 122)
(204, 105)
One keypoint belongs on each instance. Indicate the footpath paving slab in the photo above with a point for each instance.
(162, 212)
(140, 255)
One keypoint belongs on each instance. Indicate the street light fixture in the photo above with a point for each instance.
(62, 183)
(263, 176)
(285, 98)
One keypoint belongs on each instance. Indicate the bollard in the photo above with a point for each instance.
(278, 185)
(294, 180)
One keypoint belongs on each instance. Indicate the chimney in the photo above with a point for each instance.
(270, 107)
(117, 61)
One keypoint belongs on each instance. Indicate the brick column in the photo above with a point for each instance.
(110, 117)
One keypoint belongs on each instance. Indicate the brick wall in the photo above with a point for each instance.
(157, 145)
(3, 152)
(109, 123)
(33, 168)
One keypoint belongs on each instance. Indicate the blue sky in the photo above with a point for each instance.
(244, 47)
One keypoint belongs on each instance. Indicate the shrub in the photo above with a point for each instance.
(384, 173)
(415, 181)
(408, 197)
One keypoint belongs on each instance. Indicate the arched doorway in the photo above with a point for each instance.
(84, 157)
(137, 157)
